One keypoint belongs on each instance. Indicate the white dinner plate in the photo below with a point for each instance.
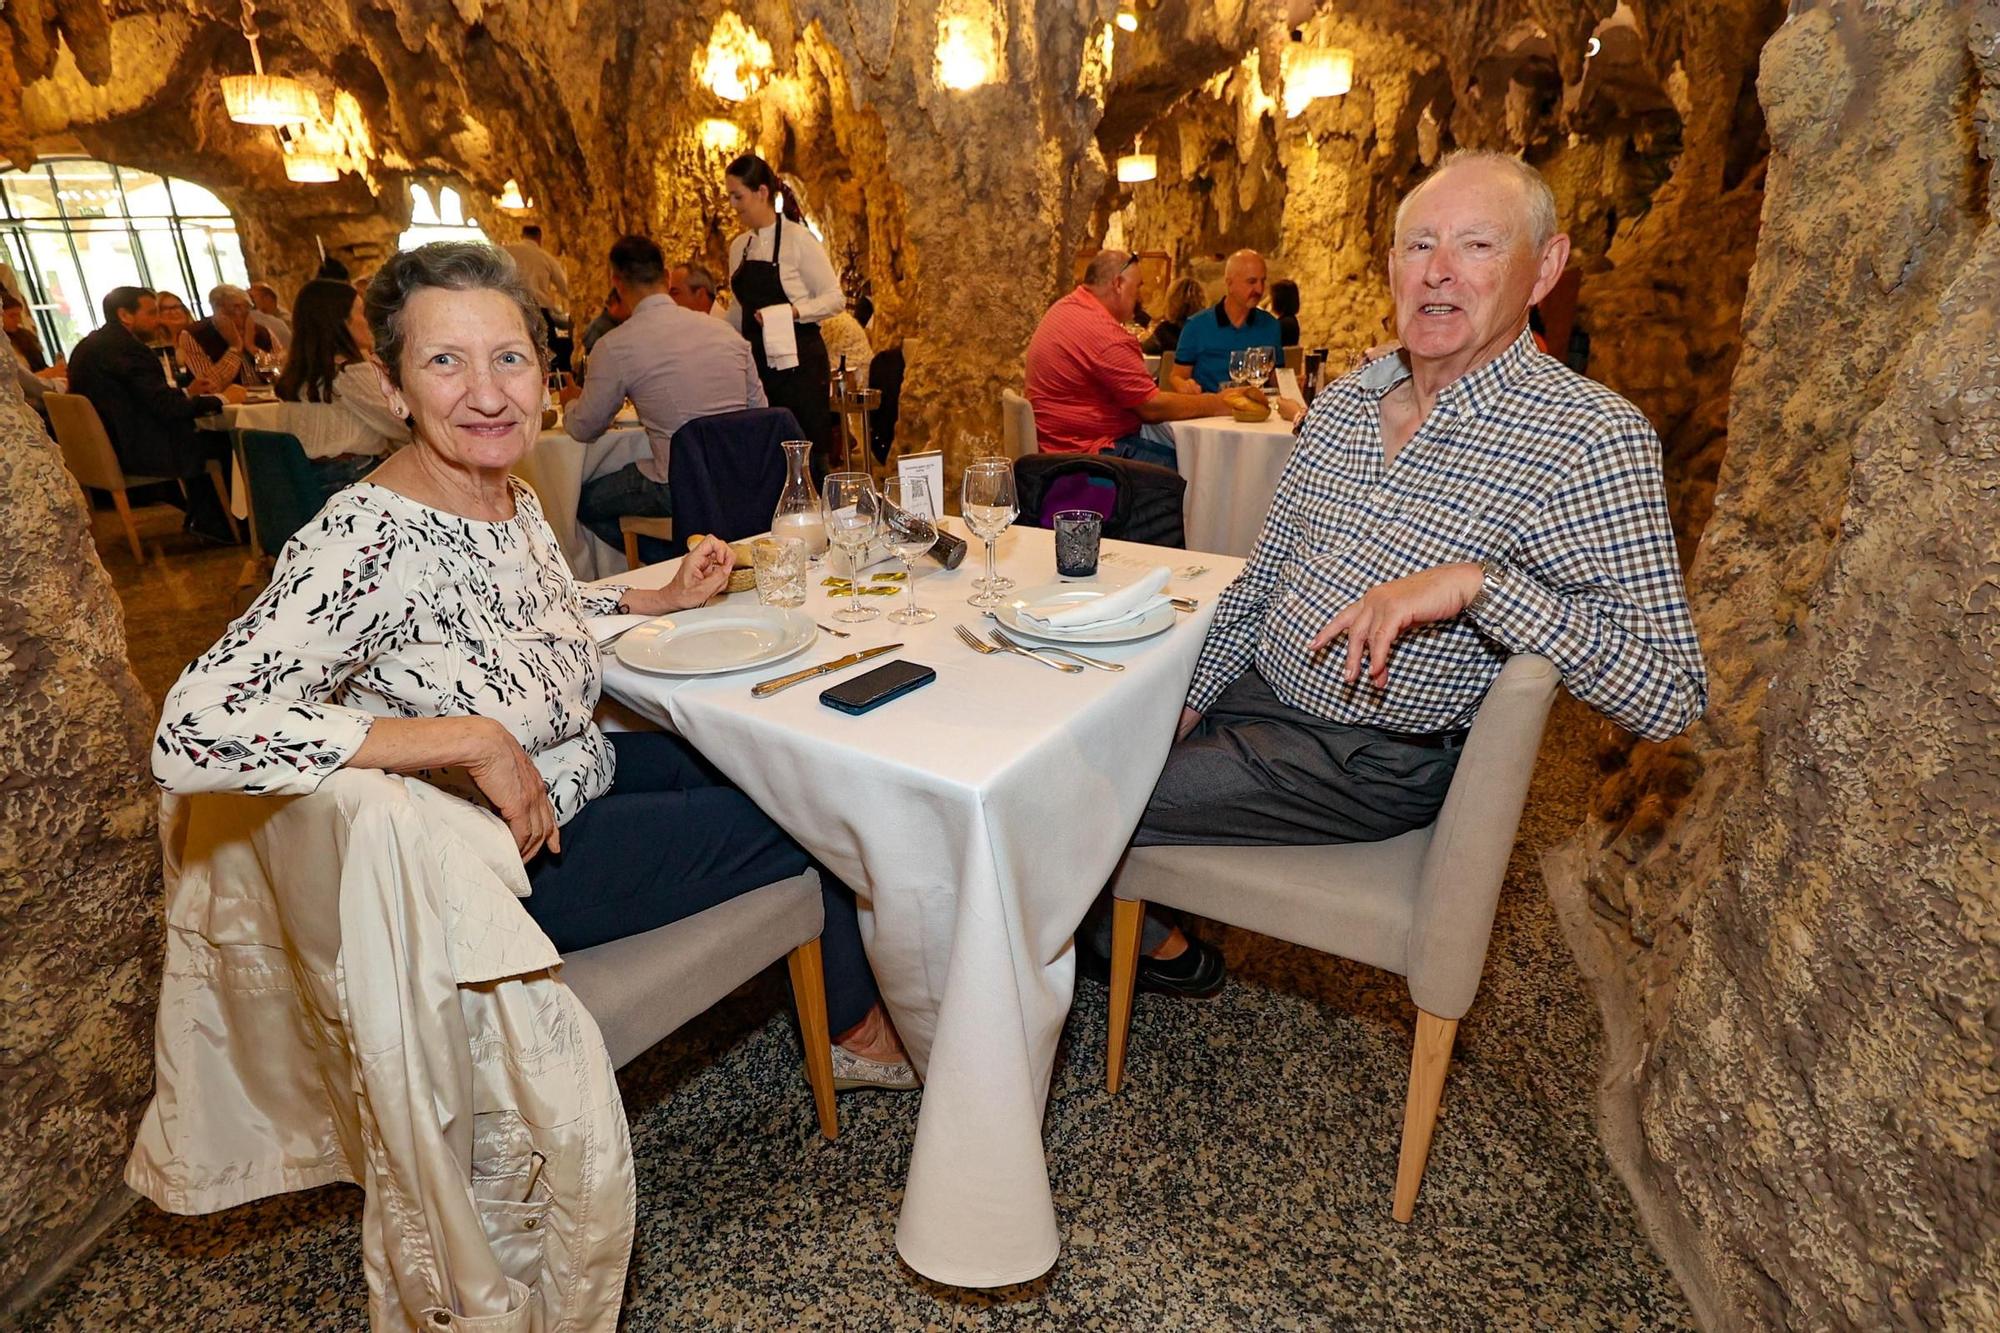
(1119, 631)
(710, 640)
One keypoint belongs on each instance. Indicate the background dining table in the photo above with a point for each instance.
(557, 465)
(1232, 470)
(977, 818)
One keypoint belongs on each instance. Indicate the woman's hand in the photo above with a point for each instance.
(703, 572)
(511, 781)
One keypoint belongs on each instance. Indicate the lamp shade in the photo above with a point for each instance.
(1136, 167)
(1315, 72)
(1128, 18)
(309, 168)
(268, 99)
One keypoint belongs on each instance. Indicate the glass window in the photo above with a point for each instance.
(442, 221)
(73, 229)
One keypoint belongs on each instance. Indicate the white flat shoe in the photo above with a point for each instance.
(851, 1071)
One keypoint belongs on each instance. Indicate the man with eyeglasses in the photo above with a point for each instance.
(1087, 378)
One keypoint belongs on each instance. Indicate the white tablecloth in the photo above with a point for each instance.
(1232, 471)
(557, 466)
(977, 818)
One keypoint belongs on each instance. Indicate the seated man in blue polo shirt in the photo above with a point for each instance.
(1201, 357)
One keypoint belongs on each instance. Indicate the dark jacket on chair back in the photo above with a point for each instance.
(728, 470)
(151, 425)
(1140, 502)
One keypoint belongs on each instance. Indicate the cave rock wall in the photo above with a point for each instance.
(1792, 915)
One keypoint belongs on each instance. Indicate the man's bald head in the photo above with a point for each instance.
(1243, 277)
(1113, 278)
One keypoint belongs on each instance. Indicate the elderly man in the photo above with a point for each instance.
(674, 364)
(269, 314)
(223, 348)
(1201, 355)
(1465, 499)
(692, 287)
(1087, 379)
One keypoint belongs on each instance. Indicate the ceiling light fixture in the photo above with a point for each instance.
(1315, 72)
(965, 54)
(265, 99)
(1136, 166)
(1592, 47)
(511, 199)
(309, 168)
(737, 60)
(1128, 18)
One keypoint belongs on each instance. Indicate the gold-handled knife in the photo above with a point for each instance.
(771, 687)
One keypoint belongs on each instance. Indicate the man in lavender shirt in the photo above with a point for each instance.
(674, 364)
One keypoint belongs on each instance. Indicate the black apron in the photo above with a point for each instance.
(806, 387)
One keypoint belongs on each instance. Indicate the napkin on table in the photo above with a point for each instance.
(781, 344)
(1135, 599)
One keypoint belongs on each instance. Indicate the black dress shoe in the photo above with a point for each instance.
(1195, 974)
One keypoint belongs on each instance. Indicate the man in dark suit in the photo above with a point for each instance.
(151, 423)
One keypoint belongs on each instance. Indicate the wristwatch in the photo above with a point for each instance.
(1491, 572)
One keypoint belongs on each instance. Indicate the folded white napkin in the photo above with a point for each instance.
(1134, 599)
(606, 627)
(781, 343)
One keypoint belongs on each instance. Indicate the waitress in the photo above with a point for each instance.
(779, 274)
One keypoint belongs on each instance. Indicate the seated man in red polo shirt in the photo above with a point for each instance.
(1087, 378)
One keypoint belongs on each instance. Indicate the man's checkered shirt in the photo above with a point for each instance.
(1523, 462)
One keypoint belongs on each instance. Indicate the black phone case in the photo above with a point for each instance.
(874, 688)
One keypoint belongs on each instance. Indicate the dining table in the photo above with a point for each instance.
(1232, 470)
(976, 819)
(557, 465)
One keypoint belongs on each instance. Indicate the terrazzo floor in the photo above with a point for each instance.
(1240, 1180)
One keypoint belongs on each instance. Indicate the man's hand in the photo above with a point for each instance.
(703, 572)
(234, 393)
(1386, 610)
(1189, 721)
(1291, 409)
(510, 780)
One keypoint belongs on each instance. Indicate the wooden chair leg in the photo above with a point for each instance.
(631, 549)
(1128, 919)
(809, 996)
(222, 494)
(131, 529)
(1427, 1069)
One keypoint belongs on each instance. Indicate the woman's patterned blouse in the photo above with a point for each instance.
(384, 607)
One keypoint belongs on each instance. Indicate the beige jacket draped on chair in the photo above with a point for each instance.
(353, 993)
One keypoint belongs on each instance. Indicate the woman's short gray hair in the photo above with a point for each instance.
(458, 266)
(1536, 196)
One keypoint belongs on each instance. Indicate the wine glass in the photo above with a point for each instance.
(1264, 361)
(1239, 366)
(908, 518)
(852, 512)
(988, 504)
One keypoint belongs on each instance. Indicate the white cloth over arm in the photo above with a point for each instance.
(352, 993)
(781, 342)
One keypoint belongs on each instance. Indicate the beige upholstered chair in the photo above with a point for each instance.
(1017, 425)
(88, 454)
(643, 987)
(1420, 905)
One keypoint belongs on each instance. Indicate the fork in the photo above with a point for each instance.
(977, 644)
(1070, 653)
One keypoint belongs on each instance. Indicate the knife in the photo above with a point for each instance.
(771, 687)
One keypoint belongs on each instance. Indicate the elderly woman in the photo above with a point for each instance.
(425, 623)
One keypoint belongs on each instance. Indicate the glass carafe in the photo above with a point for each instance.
(798, 512)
